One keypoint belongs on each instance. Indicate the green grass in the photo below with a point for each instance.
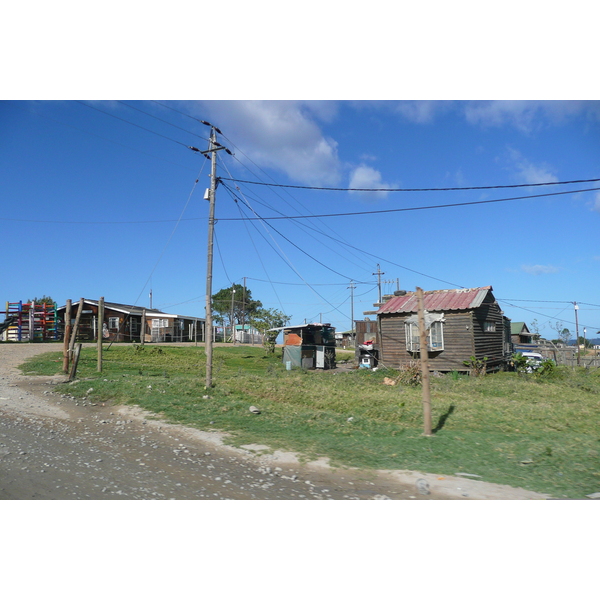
(519, 430)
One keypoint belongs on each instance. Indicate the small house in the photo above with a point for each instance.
(462, 323)
(309, 346)
(126, 323)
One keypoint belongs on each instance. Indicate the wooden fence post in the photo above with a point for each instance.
(66, 337)
(75, 362)
(76, 326)
(100, 331)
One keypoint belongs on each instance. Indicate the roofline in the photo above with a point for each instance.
(134, 310)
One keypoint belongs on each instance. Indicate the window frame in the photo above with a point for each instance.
(435, 335)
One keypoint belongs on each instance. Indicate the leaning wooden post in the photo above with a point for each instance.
(75, 363)
(100, 331)
(424, 363)
(76, 326)
(66, 337)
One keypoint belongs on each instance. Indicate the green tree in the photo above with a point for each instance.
(42, 300)
(269, 318)
(243, 305)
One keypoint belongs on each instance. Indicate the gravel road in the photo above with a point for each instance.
(57, 447)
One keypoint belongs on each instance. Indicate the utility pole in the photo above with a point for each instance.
(351, 287)
(213, 147)
(379, 273)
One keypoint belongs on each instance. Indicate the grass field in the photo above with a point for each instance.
(542, 434)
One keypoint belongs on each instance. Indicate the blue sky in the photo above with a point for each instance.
(99, 199)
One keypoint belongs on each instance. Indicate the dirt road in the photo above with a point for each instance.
(57, 447)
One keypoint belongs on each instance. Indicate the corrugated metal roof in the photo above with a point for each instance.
(437, 300)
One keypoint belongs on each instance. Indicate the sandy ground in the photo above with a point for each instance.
(54, 446)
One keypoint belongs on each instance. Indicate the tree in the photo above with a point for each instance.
(43, 300)
(564, 334)
(535, 329)
(243, 305)
(581, 341)
(269, 318)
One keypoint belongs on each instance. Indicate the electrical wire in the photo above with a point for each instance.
(446, 189)
(306, 227)
(163, 120)
(394, 210)
(134, 124)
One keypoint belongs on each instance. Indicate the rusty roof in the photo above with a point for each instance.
(437, 300)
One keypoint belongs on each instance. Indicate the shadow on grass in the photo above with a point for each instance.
(442, 420)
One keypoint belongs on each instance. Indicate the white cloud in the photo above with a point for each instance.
(282, 135)
(527, 172)
(596, 202)
(421, 111)
(539, 269)
(366, 177)
(527, 115)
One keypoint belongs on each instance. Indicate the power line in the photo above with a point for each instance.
(392, 210)
(134, 124)
(350, 214)
(446, 189)
(163, 120)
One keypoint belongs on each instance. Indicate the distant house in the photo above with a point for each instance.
(126, 323)
(520, 334)
(463, 323)
(246, 334)
(344, 339)
(309, 346)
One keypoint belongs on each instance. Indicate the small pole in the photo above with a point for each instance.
(143, 327)
(75, 362)
(100, 331)
(232, 314)
(76, 326)
(66, 337)
(577, 333)
(424, 364)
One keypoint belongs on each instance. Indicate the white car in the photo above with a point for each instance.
(534, 360)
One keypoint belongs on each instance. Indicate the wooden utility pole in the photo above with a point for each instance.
(67, 336)
(209, 258)
(351, 287)
(424, 363)
(213, 148)
(379, 273)
(100, 331)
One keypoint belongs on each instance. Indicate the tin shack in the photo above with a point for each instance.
(309, 346)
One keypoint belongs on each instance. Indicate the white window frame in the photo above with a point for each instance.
(111, 322)
(435, 337)
(489, 326)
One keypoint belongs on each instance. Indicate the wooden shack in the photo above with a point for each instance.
(463, 323)
(309, 346)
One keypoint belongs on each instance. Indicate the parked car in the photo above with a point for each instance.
(534, 360)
